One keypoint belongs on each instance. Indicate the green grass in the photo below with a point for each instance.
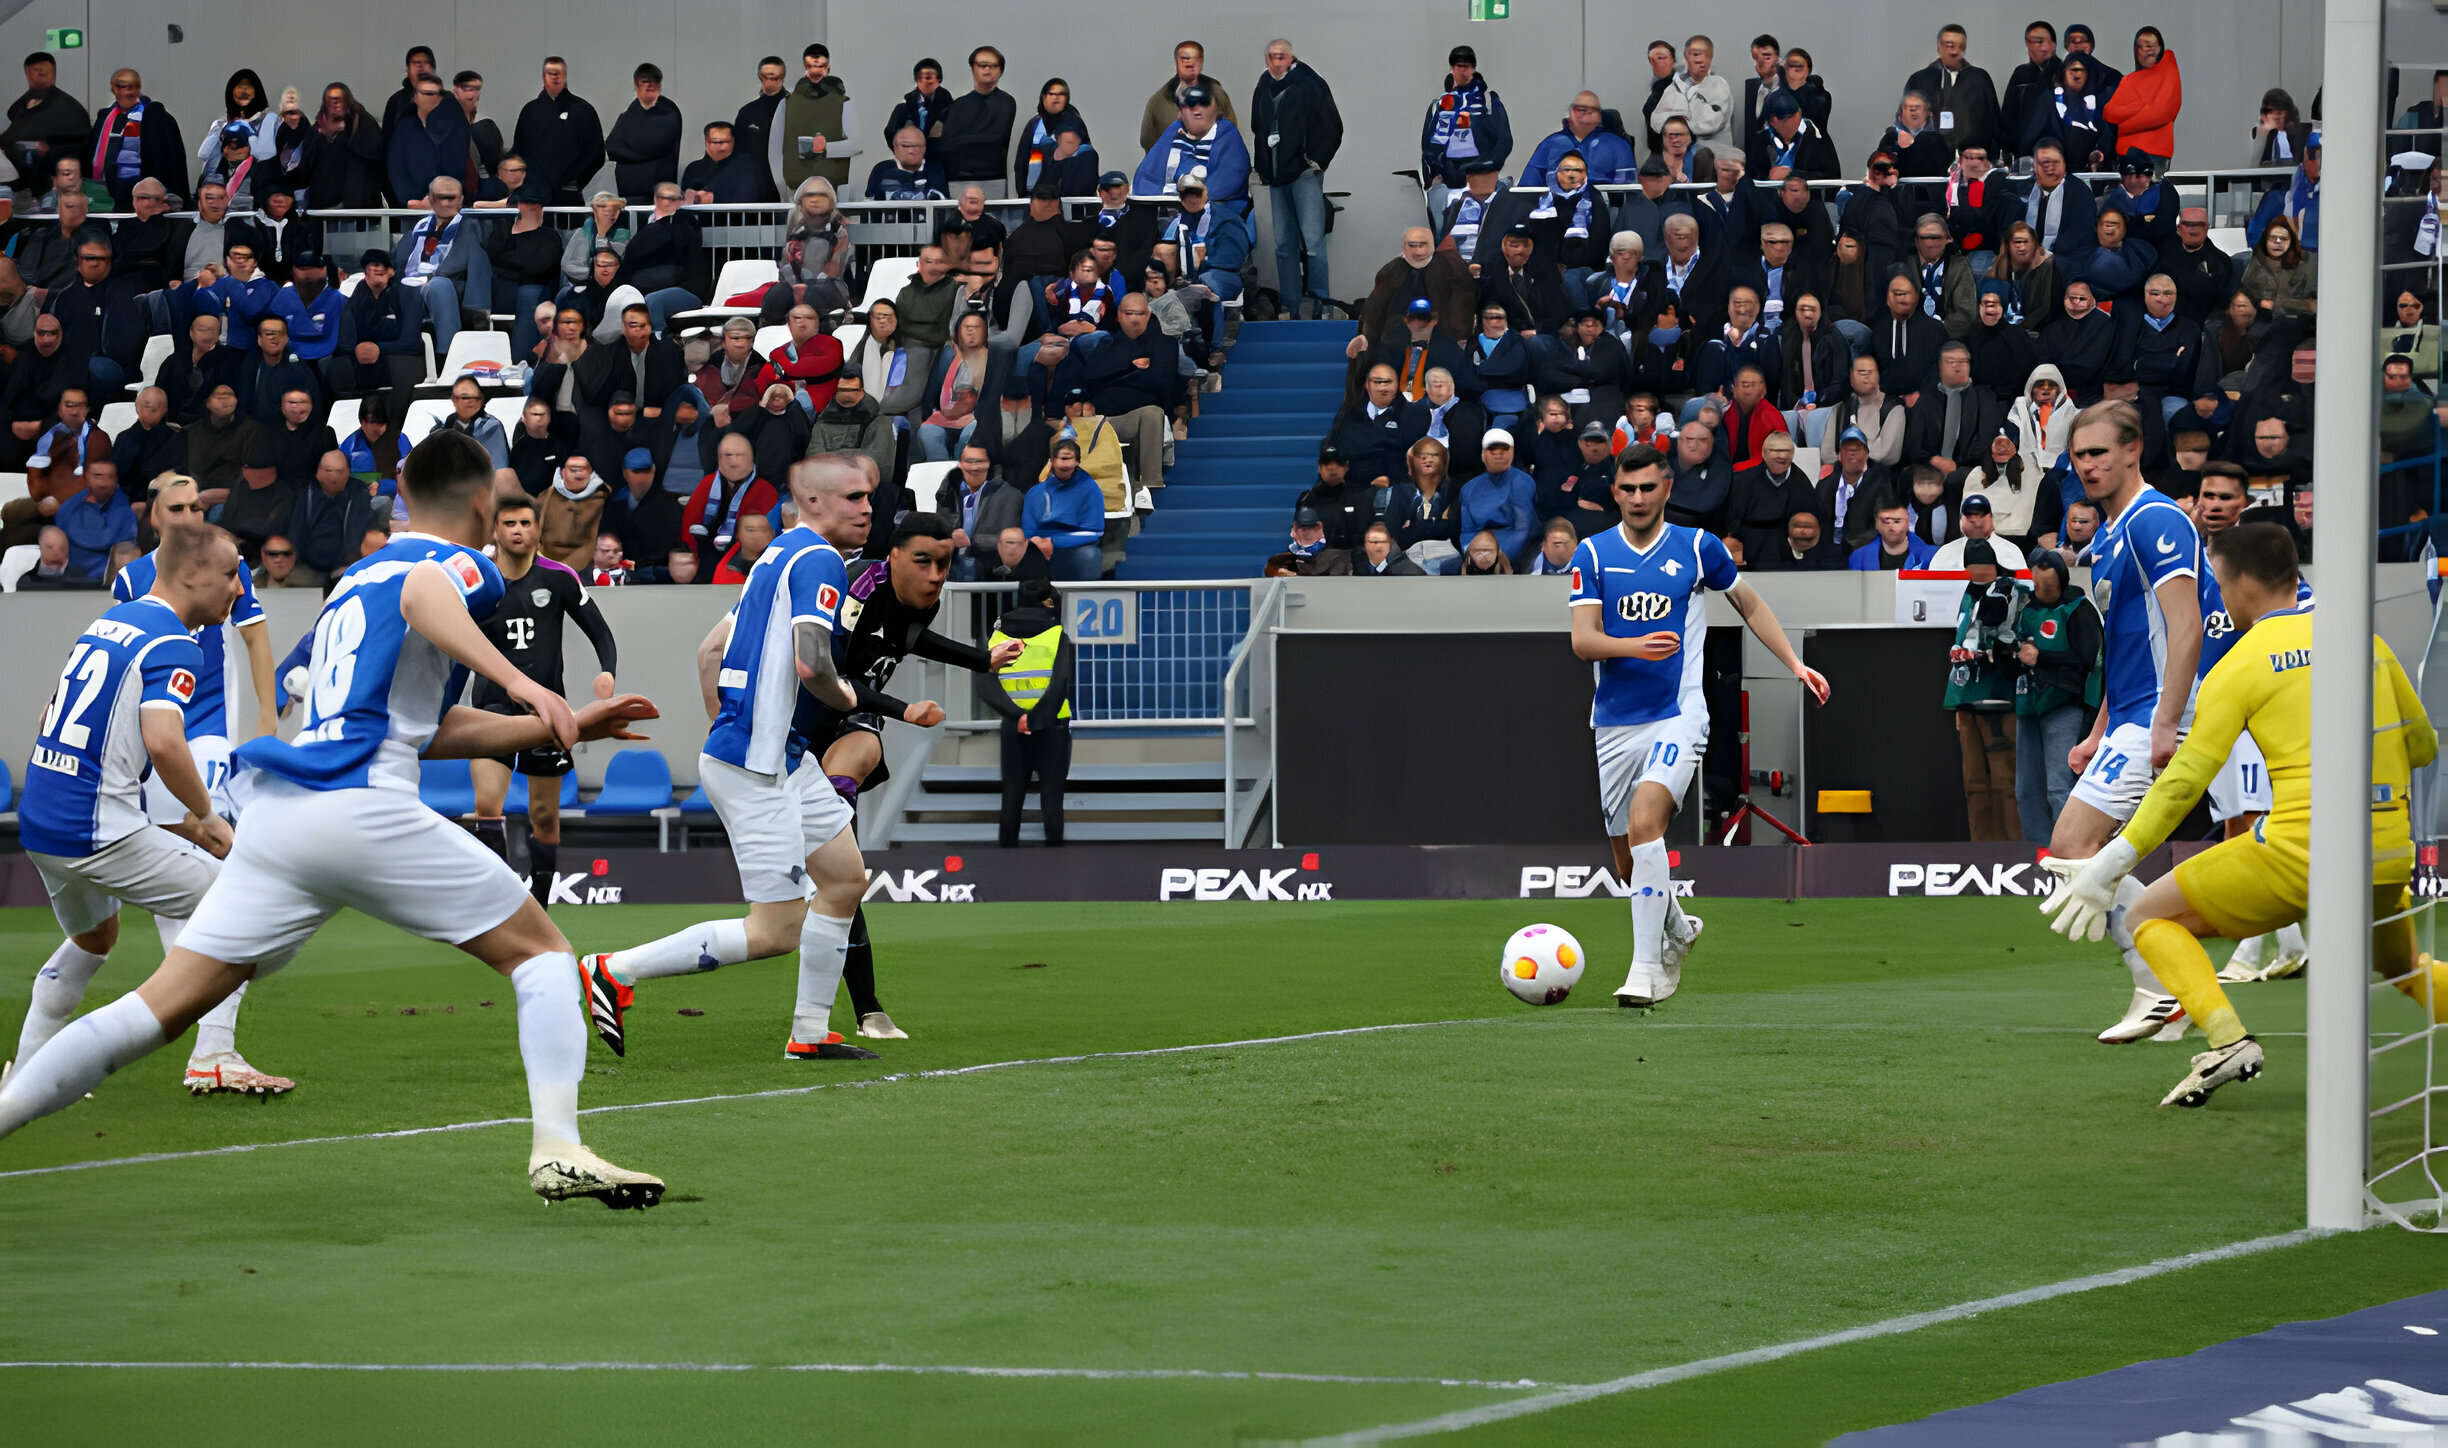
(1855, 1110)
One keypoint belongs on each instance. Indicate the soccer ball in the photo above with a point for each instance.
(1541, 964)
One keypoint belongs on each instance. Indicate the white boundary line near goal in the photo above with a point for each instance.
(947, 1072)
(1913, 1322)
(912, 1369)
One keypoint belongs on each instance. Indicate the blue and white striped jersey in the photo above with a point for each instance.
(376, 690)
(209, 715)
(800, 578)
(84, 784)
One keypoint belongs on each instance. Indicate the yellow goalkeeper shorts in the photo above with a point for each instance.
(2248, 886)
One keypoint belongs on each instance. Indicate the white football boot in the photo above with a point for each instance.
(563, 1170)
(2147, 1015)
(1643, 986)
(2215, 1068)
(877, 1026)
(229, 1071)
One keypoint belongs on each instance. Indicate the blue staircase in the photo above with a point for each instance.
(1226, 506)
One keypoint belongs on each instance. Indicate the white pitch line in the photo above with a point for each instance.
(915, 1369)
(940, 1073)
(1659, 1377)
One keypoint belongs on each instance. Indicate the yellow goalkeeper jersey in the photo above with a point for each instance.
(2264, 684)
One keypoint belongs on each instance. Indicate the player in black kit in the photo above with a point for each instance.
(537, 594)
(886, 618)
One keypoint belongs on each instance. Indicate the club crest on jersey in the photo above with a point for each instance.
(542, 597)
(469, 575)
(183, 684)
(1674, 567)
(1643, 607)
(828, 597)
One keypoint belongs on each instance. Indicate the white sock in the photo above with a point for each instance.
(218, 1031)
(1652, 897)
(700, 947)
(823, 940)
(2291, 941)
(77, 1059)
(58, 991)
(2250, 952)
(2129, 890)
(552, 1027)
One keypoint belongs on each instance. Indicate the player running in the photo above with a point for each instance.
(887, 614)
(2257, 881)
(791, 831)
(2148, 581)
(214, 1064)
(2240, 793)
(121, 712)
(1638, 613)
(333, 820)
(538, 595)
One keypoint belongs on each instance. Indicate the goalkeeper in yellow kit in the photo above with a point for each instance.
(2257, 882)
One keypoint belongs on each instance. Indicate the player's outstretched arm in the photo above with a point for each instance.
(476, 734)
(1763, 623)
(2180, 605)
(165, 742)
(814, 645)
(257, 634)
(432, 605)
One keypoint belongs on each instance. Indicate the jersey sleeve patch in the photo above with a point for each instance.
(1717, 568)
(465, 572)
(1588, 579)
(248, 609)
(2164, 545)
(169, 666)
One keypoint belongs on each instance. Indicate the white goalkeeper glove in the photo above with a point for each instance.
(2088, 891)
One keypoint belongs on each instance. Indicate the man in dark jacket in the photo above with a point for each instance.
(925, 107)
(1905, 339)
(1962, 98)
(2204, 275)
(1131, 227)
(757, 129)
(189, 372)
(977, 129)
(725, 175)
(419, 64)
(429, 142)
(1133, 376)
(330, 518)
(1789, 145)
(102, 324)
(1042, 245)
(979, 504)
(1422, 270)
(380, 343)
(854, 422)
(560, 136)
(43, 120)
(641, 364)
(1369, 433)
(1951, 426)
(264, 373)
(1530, 290)
(1294, 133)
(1345, 506)
(133, 137)
(1419, 348)
(644, 146)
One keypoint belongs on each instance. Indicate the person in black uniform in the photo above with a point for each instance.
(887, 616)
(537, 594)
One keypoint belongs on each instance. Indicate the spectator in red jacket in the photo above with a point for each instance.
(810, 363)
(755, 532)
(731, 493)
(2144, 105)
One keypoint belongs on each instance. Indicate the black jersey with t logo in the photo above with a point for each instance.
(527, 628)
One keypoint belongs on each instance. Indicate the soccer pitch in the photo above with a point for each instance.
(1855, 1111)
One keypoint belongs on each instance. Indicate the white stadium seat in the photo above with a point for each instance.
(157, 351)
(117, 417)
(470, 347)
(886, 276)
(738, 279)
(768, 338)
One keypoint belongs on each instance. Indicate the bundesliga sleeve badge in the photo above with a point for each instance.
(183, 684)
(465, 570)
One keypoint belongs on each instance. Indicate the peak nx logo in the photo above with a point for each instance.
(1580, 882)
(924, 886)
(565, 888)
(1216, 884)
(1945, 879)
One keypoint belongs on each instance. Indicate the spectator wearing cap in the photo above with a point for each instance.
(1347, 505)
(1502, 500)
(907, 174)
(133, 137)
(1580, 495)
(1530, 288)
(1854, 489)
(1891, 544)
(710, 519)
(644, 142)
(977, 133)
(1420, 349)
(1419, 271)
(1466, 125)
(1189, 69)
(1131, 225)
(2070, 115)
(2062, 212)
(311, 308)
(380, 344)
(1980, 692)
(1210, 244)
(1298, 130)
(1369, 430)
(1469, 211)
(1201, 142)
(2143, 106)
(1787, 144)
(1586, 366)
(1501, 367)
(1314, 558)
(1962, 98)
(1451, 419)
(1978, 521)
(1608, 154)
(1064, 516)
(2149, 208)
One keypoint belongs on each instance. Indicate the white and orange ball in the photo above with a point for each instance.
(1541, 964)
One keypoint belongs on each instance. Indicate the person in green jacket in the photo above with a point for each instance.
(819, 124)
(2057, 640)
(1980, 690)
(1033, 694)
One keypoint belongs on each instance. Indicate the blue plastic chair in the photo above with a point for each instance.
(636, 782)
(446, 787)
(697, 803)
(517, 801)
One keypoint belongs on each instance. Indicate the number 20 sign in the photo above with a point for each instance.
(1102, 618)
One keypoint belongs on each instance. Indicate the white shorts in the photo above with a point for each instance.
(212, 758)
(2241, 786)
(1665, 753)
(775, 823)
(302, 854)
(2120, 773)
(151, 869)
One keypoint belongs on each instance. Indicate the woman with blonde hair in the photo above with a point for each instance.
(813, 255)
(1424, 509)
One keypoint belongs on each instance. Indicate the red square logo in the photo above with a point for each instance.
(183, 684)
(828, 597)
(1576, 578)
(470, 576)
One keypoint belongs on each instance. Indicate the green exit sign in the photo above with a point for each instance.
(63, 40)
(1490, 9)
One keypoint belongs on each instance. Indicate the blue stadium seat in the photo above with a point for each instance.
(697, 803)
(636, 782)
(446, 787)
(517, 802)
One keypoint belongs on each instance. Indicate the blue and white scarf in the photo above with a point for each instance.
(1549, 203)
(1454, 110)
(1187, 154)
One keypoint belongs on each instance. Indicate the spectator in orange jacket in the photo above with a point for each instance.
(2144, 106)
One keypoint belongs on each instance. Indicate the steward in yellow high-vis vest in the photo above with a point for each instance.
(1033, 695)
